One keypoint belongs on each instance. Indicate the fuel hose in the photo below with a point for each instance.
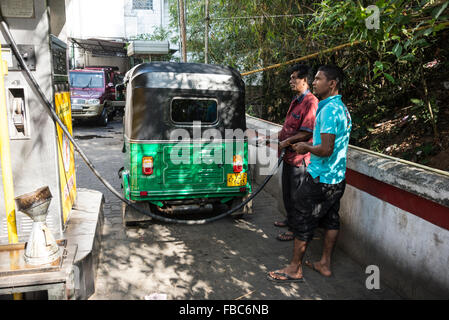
(49, 108)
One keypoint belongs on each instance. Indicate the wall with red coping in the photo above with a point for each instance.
(393, 215)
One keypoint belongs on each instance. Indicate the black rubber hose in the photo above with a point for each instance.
(49, 108)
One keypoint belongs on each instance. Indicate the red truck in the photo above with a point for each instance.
(92, 92)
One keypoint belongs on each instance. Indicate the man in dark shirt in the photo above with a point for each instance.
(298, 127)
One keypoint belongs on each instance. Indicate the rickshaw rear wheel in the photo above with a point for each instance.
(132, 217)
(246, 209)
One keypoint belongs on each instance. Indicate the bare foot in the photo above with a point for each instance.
(320, 268)
(290, 272)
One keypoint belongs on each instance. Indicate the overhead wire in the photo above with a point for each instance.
(336, 48)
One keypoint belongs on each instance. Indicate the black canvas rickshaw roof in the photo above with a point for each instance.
(188, 68)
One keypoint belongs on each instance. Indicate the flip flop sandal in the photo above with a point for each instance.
(286, 276)
(280, 224)
(285, 237)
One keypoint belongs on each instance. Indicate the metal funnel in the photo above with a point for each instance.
(41, 247)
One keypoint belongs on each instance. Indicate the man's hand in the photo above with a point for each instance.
(325, 149)
(301, 147)
(284, 144)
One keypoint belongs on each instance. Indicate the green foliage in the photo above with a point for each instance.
(376, 145)
(420, 110)
(383, 72)
(159, 34)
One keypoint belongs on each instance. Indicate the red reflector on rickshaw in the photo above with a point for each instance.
(143, 193)
(147, 165)
(238, 163)
(242, 189)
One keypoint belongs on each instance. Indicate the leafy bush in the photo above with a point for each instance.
(386, 67)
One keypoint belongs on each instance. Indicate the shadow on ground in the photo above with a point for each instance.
(227, 259)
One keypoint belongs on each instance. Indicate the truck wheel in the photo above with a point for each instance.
(111, 111)
(112, 115)
(103, 121)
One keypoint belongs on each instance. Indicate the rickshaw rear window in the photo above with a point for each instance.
(188, 110)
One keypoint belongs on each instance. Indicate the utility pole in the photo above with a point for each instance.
(183, 29)
(206, 33)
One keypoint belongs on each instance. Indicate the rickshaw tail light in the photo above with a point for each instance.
(238, 163)
(147, 166)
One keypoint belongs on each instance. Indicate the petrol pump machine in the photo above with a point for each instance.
(40, 153)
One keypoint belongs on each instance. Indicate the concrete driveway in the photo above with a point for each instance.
(227, 259)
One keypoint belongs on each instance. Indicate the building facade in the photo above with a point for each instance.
(105, 20)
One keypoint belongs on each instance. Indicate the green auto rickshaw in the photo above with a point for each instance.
(184, 140)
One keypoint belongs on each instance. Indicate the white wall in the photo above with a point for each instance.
(95, 19)
(113, 18)
(121, 63)
(262, 167)
(412, 254)
(110, 20)
(144, 21)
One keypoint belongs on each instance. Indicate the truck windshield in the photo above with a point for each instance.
(86, 80)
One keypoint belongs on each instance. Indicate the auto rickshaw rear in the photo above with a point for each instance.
(184, 139)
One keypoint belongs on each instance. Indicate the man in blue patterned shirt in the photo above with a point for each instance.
(325, 182)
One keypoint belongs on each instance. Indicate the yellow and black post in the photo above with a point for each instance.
(5, 156)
